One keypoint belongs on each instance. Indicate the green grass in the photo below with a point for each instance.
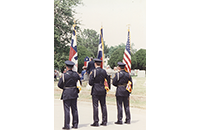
(137, 98)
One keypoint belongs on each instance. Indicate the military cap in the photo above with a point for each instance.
(121, 64)
(69, 63)
(97, 60)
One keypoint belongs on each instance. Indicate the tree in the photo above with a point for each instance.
(63, 21)
(122, 45)
(133, 61)
(141, 59)
(82, 53)
(117, 56)
(90, 39)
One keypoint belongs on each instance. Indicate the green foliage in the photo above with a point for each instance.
(113, 49)
(141, 59)
(106, 50)
(90, 39)
(63, 21)
(122, 45)
(60, 58)
(82, 53)
(133, 61)
(116, 56)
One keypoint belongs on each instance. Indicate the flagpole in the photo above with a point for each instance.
(73, 49)
(102, 46)
(129, 34)
(74, 25)
(127, 55)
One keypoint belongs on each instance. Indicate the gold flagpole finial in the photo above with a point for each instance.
(129, 25)
(74, 23)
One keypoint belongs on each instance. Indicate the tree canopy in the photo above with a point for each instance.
(63, 21)
(122, 45)
(90, 39)
(117, 56)
(82, 53)
(87, 40)
(141, 59)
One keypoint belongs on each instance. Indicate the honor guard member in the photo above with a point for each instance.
(98, 92)
(122, 95)
(68, 82)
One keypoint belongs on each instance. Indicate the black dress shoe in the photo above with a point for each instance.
(127, 122)
(119, 123)
(65, 128)
(95, 124)
(103, 123)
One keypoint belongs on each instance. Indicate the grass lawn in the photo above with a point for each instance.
(137, 98)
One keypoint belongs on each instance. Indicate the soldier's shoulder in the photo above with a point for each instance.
(67, 74)
(75, 72)
(104, 70)
(121, 72)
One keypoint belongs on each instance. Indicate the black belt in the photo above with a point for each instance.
(99, 83)
(69, 87)
(121, 85)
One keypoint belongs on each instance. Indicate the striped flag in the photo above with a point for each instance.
(73, 55)
(100, 54)
(127, 55)
(86, 60)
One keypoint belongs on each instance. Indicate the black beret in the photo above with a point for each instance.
(97, 60)
(121, 64)
(69, 63)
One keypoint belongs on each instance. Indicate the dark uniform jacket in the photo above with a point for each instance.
(124, 77)
(70, 90)
(90, 67)
(97, 77)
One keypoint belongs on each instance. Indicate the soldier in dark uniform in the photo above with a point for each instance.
(98, 92)
(122, 95)
(68, 82)
(90, 66)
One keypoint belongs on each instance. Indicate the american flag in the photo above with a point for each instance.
(100, 54)
(127, 55)
(73, 55)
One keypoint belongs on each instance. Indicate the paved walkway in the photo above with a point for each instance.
(138, 117)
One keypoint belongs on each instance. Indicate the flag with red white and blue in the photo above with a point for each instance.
(127, 55)
(100, 48)
(73, 55)
(86, 60)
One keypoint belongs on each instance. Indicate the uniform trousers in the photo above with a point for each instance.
(125, 101)
(102, 100)
(73, 104)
